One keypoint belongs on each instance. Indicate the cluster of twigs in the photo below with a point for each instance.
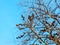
(42, 14)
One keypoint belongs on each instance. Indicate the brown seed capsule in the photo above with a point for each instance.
(43, 30)
(17, 24)
(23, 17)
(31, 17)
(52, 24)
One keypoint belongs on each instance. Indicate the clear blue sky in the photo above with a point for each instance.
(9, 13)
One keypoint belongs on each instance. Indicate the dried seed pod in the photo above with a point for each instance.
(17, 24)
(31, 17)
(43, 30)
(23, 17)
(52, 24)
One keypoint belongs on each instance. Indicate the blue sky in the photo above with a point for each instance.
(10, 16)
(9, 13)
